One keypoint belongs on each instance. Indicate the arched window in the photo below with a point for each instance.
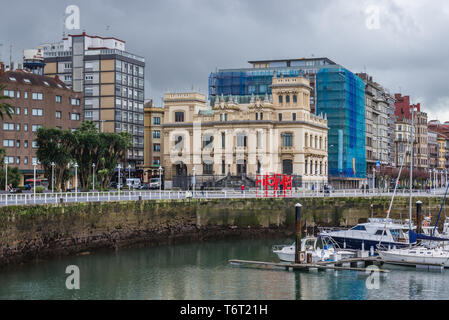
(280, 99)
(287, 99)
(305, 167)
(295, 99)
(306, 140)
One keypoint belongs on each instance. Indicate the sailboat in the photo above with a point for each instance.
(414, 253)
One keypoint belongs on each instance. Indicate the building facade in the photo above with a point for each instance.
(403, 113)
(111, 80)
(379, 117)
(37, 101)
(154, 117)
(276, 134)
(341, 97)
(245, 82)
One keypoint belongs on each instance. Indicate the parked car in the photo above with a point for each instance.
(144, 186)
(155, 183)
(113, 185)
(133, 183)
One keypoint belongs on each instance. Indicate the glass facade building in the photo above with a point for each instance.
(341, 97)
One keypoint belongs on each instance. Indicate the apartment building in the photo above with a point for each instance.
(37, 101)
(111, 80)
(154, 118)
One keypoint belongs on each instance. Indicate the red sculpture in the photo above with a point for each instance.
(273, 185)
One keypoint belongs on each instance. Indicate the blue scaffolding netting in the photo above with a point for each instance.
(341, 96)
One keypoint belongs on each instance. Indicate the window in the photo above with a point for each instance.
(257, 116)
(9, 93)
(280, 116)
(261, 116)
(223, 140)
(156, 120)
(18, 111)
(26, 95)
(34, 144)
(287, 99)
(241, 140)
(75, 116)
(156, 134)
(25, 160)
(179, 116)
(208, 141)
(75, 102)
(18, 144)
(37, 96)
(295, 99)
(280, 99)
(46, 83)
(226, 117)
(18, 127)
(157, 162)
(287, 140)
(9, 160)
(294, 116)
(34, 127)
(58, 99)
(58, 114)
(25, 111)
(18, 160)
(34, 160)
(37, 112)
(156, 147)
(8, 126)
(208, 168)
(25, 127)
(18, 94)
(8, 143)
(359, 227)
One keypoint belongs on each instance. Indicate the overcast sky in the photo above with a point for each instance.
(405, 49)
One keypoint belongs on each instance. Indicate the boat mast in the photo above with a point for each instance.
(411, 170)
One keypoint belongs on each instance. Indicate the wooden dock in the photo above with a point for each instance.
(344, 264)
(351, 264)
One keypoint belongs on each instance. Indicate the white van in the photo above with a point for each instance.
(133, 183)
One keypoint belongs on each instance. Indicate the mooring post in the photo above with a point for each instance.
(298, 209)
(419, 216)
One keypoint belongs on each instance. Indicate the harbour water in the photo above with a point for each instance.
(201, 271)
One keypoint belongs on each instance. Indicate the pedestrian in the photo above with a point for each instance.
(202, 190)
(242, 188)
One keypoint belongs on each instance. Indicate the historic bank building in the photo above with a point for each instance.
(232, 141)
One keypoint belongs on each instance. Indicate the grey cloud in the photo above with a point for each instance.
(184, 40)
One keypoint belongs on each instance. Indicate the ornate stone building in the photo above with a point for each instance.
(277, 134)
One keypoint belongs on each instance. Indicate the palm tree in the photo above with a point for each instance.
(5, 108)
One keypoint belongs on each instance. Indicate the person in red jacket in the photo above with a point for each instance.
(242, 188)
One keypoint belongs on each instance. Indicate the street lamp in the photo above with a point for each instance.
(93, 176)
(52, 176)
(160, 178)
(34, 182)
(76, 180)
(194, 181)
(374, 178)
(129, 176)
(118, 177)
(6, 175)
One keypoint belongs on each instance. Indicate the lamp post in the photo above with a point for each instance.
(76, 181)
(93, 176)
(194, 181)
(160, 179)
(34, 182)
(118, 178)
(52, 176)
(129, 176)
(374, 178)
(6, 175)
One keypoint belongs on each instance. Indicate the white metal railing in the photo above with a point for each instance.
(97, 196)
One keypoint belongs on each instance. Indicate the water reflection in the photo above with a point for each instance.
(201, 271)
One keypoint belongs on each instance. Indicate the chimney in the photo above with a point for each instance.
(2, 68)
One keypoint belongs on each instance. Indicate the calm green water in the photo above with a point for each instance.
(201, 271)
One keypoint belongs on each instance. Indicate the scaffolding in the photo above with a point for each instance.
(341, 96)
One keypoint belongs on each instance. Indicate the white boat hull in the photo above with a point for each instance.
(404, 256)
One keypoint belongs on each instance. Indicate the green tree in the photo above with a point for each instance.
(5, 108)
(54, 146)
